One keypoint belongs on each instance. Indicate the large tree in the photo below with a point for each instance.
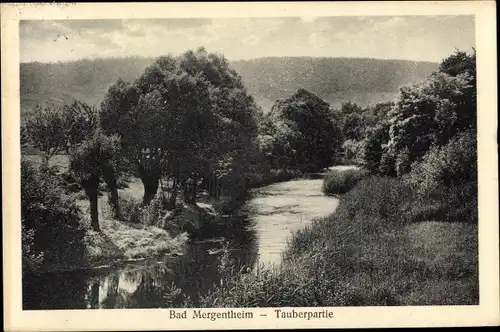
(304, 132)
(91, 160)
(434, 111)
(180, 118)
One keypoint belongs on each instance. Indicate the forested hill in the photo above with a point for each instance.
(364, 81)
(336, 80)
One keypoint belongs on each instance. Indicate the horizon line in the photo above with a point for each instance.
(249, 59)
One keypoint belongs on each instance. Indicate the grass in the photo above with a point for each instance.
(341, 181)
(118, 240)
(124, 241)
(368, 253)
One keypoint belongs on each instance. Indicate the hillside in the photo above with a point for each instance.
(336, 80)
(365, 81)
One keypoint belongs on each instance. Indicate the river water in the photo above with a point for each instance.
(261, 229)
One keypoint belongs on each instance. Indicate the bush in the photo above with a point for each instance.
(382, 198)
(274, 175)
(51, 219)
(153, 214)
(453, 164)
(340, 182)
(448, 175)
(130, 208)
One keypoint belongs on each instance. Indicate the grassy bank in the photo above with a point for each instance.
(119, 241)
(370, 252)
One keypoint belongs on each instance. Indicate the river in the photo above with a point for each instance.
(269, 217)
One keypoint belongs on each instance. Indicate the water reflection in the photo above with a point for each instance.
(257, 233)
(142, 284)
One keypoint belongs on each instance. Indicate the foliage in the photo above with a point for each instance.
(95, 157)
(32, 260)
(341, 181)
(459, 63)
(131, 209)
(373, 147)
(45, 131)
(365, 254)
(449, 173)
(81, 120)
(432, 112)
(353, 151)
(53, 129)
(50, 219)
(293, 143)
(182, 118)
(352, 123)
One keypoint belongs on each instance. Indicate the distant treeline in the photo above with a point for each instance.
(336, 80)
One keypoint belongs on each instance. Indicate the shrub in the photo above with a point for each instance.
(153, 214)
(450, 165)
(130, 208)
(382, 198)
(340, 182)
(448, 175)
(51, 219)
(31, 260)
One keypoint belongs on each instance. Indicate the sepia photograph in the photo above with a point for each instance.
(212, 165)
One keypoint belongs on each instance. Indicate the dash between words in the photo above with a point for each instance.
(241, 314)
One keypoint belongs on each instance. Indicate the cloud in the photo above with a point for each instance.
(413, 37)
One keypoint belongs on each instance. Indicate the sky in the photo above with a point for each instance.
(421, 38)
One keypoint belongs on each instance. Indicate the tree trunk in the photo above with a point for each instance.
(151, 183)
(94, 212)
(115, 202)
(193, 193)
(110, 179)
(173, 194)
(94, 295)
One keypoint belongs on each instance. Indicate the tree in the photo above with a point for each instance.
(373, 147)
(80, 121)
(305, 135)
(432, 112)
(53, 129)
(44, 130)
(459, 63)
(91, 160)
(180, 117)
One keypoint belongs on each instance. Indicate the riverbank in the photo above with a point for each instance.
(367, 253)
(120, 242)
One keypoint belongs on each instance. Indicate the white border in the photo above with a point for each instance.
(487, 313)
